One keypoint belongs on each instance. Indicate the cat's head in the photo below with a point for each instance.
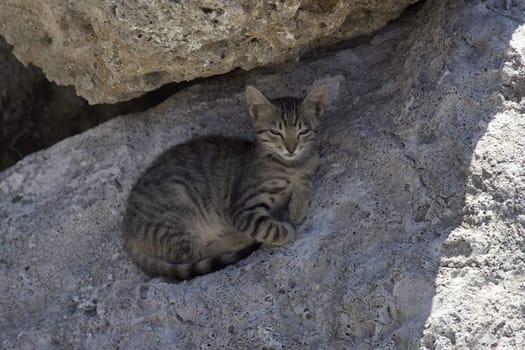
(286, 126)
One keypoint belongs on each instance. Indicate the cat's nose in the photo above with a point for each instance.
(290, 147)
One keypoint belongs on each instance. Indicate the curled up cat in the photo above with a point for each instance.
(211, 201)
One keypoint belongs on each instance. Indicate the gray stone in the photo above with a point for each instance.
(113, 50)
(414, 238)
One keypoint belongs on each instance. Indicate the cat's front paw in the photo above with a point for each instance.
(298, 209)
(284, 234)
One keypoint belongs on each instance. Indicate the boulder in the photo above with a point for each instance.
(415, 234)
(114, 50)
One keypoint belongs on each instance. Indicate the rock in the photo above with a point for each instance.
(114, 50)
(36, 113)
(414, 238)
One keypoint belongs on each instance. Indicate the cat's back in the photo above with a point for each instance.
(205, 151)
(207, 164)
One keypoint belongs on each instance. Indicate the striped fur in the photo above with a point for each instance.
(210, 202)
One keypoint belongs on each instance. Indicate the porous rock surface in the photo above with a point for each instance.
(415, 235)
(113, 50)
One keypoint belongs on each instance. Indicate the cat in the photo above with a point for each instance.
(211, 201)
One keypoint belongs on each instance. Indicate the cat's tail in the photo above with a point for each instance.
(155, 266)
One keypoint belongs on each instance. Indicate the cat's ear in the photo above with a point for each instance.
(312, 106)
(261, 110)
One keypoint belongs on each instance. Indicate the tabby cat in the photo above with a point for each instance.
(211, 201)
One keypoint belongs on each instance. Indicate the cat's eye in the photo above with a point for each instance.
(304, 132)
(275, 132)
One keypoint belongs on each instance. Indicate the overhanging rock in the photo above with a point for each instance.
(113, 50)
